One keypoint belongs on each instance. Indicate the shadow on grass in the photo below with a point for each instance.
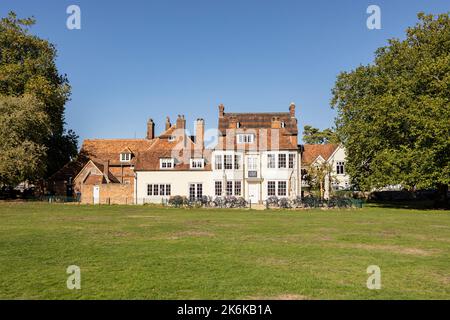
(411, 204)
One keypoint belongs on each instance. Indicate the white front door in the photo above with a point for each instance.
(253, 192)
(96, 194)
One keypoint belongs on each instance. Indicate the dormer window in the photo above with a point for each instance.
(166, 163)
(283, 124)
(197, 163)
(238, 125)
(125, 157)
(245, 138)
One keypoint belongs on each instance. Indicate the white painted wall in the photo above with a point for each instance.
(339, 155)
(179, 181)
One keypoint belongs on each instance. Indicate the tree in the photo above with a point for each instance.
(23, 128)
(27, 67)
(319, 175)
(313, 135)
(394, 115)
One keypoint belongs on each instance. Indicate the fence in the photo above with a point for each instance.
(218, 202)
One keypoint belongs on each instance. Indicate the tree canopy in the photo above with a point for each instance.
(394, 114)
(28, 72)
(313, 135)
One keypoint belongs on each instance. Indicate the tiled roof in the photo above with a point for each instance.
(312, 151)
(149, 160)
(110, 149)
(257, 121)
(265, 139)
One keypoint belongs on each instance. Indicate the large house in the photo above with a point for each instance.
(257, 155)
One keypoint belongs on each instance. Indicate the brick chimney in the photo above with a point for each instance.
(150, 129)
(181, 122)
(168, 124)
(221, 110)
(200, 133)
(292, 110)
(233, 123)
(276, 123)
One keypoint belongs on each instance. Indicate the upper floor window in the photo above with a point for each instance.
(124, 157)
(340, 167)
(282, 160)
(283, 124)
(237, 162)
(166, 163)
(172, 138)
(218, 162)
(252, 163)
(228, 162)
(245, 138)
(238, 125)
(197, 163)
(271, 161)
(291, 161)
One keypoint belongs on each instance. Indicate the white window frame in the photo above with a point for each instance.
(166, 163)
(341, 165)
(218, 162)
(197, 163)
(172, 138)
(125, 157)
(282, 164)
(159, 189)
(245, 138)
(271, 164)
(252, 163)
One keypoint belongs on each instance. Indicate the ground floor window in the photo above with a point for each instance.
(237, 188)
(158, 189)
(232, 188)
(277, 188)
(218, 188)
(229, 188)
(271, 188)
(195, 191)
(282, 188)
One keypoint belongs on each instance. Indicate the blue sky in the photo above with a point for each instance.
(133, 60)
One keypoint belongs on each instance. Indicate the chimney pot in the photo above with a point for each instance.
(292, 110)
(221, 110)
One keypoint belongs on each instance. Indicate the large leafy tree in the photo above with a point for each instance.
(313, 135)
(394, 114)
(27, 67)
(23, 128)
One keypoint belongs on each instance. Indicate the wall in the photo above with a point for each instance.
(110, 193)
(342, 179)
(179, 181)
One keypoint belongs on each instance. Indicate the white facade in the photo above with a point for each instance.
(255, 174)
(180, 183)
(241, 174)
(337, 161)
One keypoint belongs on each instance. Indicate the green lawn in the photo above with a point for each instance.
(139, 252)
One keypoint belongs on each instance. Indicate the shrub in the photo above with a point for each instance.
(176, 201)
(284, 203)
(272, 201)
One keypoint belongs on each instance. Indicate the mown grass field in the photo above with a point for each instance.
(139, 252)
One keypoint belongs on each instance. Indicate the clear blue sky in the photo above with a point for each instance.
(133, 60)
